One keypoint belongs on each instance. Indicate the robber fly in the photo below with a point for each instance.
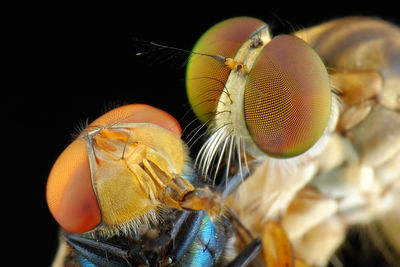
(316, 113)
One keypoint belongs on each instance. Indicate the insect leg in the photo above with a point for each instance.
(186, 231)
(99, 253)
(247, 255)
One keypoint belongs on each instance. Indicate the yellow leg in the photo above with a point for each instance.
(277, 250)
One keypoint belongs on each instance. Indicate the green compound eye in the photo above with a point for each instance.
(206, 77)
(287, 99)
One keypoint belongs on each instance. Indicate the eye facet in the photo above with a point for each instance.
(287, 99)
(136, 113)
(205, 77)
(70, 194)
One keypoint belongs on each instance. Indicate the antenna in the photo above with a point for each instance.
(229, 62)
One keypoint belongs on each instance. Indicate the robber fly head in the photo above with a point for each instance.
(272, 97)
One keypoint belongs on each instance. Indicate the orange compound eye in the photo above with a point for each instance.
(205, 76)
(287, 100)
(136, 113)
(70, 194)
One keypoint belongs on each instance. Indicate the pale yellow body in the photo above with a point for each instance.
(355, 177)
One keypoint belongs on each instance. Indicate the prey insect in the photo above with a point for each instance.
(123, 193)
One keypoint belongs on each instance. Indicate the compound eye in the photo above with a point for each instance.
(140, 113)
(69, 191)
(70, 194)
(205, 76)
(287, 100)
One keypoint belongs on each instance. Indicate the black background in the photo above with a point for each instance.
(71, 61)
